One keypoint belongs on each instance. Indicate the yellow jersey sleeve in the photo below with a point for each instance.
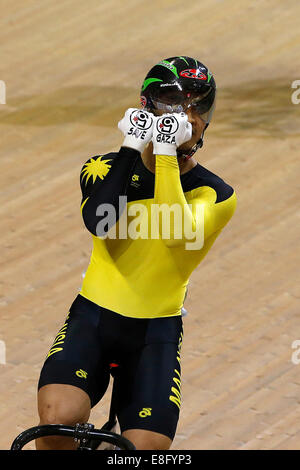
(206, 208)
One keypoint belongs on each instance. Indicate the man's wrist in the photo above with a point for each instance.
(133, 143)
(165, 150)
(168, 162)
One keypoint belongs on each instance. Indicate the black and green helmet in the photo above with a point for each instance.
(178, 83)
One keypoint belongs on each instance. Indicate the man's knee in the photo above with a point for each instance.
(61, 404)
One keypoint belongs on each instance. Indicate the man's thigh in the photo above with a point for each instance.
(149, 390)
(76, 357)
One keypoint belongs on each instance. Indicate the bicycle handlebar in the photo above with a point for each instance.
(71, 431)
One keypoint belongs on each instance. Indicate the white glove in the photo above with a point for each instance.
(169, 132)
(137, 127)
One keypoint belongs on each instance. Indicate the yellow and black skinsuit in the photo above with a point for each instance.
(128, 311)
(144, 277)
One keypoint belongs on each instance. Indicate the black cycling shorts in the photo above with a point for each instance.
(143, 355)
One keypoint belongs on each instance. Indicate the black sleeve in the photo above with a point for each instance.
(103, 179)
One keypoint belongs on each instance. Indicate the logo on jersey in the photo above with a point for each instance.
(96, 167)
(145, 412)
(135, 181)
(82, 374)
(193, 73)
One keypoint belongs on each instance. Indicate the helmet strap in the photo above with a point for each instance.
(197, 146)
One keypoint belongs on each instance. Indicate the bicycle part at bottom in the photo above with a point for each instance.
(85, 434)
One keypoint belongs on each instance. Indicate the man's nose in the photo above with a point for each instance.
(194, 118)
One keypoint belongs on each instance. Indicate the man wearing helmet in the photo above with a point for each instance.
(177, 85)
(126, 321)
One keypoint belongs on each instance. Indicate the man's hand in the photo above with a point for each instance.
(137, 127)
(169, 132)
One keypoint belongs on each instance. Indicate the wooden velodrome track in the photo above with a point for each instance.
(71, 69)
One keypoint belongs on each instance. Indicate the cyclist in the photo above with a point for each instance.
(153, 213)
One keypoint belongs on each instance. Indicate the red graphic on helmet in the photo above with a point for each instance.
(193, 73)
(143, 101)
